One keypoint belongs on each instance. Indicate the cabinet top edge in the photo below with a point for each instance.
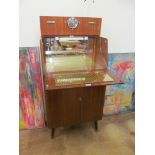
(70, 17)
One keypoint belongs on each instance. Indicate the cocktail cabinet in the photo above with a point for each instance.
(74, 62)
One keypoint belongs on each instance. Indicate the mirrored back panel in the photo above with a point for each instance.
(73, 53)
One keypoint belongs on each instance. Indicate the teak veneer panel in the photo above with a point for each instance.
(74, 105)
(58, 26)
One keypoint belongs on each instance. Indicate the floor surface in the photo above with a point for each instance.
(115, 136)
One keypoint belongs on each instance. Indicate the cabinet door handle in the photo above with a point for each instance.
(80, 99)
(51, 22)
(93, 23)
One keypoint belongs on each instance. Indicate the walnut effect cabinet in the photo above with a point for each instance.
(74, 62)
(74, 105)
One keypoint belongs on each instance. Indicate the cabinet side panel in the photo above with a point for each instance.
(42, 75)
(104, 47)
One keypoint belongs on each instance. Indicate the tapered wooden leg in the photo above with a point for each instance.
(45, 122)
(52, 132)
(96, 125)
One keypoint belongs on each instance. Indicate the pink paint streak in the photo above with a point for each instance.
(122, 67)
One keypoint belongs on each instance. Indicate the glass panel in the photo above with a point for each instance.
(71, 54)
(81, 78)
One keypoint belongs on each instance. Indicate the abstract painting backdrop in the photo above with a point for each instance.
(30, 89)
(120, 97)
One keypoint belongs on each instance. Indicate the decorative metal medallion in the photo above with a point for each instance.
(72, 23)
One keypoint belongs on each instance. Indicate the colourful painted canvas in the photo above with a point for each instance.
(120, 97)
(30, 89)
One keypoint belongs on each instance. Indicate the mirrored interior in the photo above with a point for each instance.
(70, 54)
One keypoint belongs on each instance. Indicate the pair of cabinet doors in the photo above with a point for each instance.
(51, 25)
(74, 105)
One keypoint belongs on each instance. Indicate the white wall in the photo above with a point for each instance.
(117, 16)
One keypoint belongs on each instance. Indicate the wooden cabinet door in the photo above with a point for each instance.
(51, 25)
(92, 103)
(86, 26)
(75, 105)
(62, 107)
(54, 108)
(72, 106)
(92, 26)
